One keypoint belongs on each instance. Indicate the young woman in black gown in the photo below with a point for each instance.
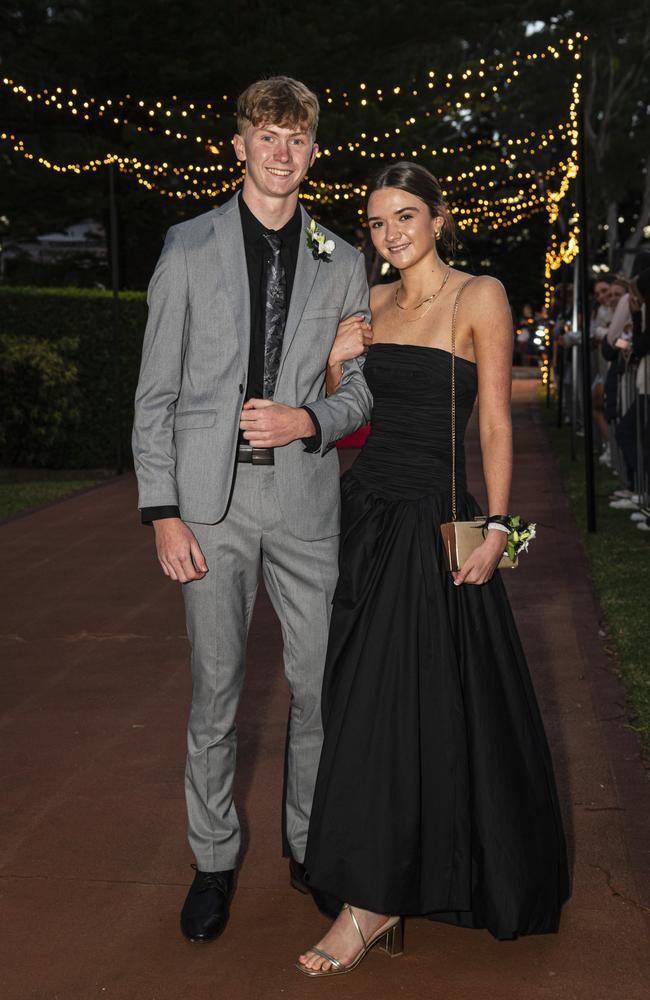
(435, 794)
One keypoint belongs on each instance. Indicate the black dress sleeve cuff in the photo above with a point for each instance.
(313, 443)
(151, 514)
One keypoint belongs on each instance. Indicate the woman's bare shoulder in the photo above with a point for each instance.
(484, 297)
(485, 288)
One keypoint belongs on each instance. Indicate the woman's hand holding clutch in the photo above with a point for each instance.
(482, 562)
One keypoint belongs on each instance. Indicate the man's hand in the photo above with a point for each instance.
(266, 424)
(353, 337)
(179, 553)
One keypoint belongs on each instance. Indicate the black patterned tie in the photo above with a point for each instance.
(275, 314)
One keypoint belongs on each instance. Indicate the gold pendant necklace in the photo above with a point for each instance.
(430, 299)
(422, 314)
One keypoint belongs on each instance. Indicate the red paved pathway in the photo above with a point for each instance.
(94, 863)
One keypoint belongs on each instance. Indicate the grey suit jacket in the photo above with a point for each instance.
(194, 368)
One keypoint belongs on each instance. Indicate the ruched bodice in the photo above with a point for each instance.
(408, 450)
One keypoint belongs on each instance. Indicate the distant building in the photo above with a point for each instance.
(83, 239)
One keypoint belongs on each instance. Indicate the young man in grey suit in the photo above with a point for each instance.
(232, 440)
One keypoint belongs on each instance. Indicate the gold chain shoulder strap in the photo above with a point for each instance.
(453, 396)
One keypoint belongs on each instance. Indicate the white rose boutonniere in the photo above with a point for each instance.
(321, 248)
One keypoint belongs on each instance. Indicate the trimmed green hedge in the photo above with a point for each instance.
(58, 397)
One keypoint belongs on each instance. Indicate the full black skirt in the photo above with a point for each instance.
(435, 793)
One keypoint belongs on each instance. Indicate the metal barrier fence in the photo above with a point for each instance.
(628, 420)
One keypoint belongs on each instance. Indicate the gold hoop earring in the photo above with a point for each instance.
(439, 234)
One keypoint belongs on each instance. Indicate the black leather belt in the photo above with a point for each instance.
(255, 456)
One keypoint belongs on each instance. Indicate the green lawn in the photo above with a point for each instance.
(619, 558)
(22, 494)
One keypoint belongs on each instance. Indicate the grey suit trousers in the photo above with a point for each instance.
(300, 577)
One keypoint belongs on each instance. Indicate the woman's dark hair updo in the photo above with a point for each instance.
(417, 180)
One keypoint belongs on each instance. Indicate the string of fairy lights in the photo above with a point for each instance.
(208, 181)
(129, 110)
(460, 180)
(563, 251)
(500, 188)
(543, 140)
(559, 250)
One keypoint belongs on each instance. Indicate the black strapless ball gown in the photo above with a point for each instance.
(435, 793)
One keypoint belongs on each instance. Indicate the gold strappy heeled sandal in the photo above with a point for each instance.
(390, 937)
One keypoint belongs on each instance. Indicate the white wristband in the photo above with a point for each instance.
(495, 526)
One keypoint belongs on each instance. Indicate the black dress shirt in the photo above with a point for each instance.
(258, 257)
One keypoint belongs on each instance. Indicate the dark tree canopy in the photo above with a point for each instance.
(196, 52)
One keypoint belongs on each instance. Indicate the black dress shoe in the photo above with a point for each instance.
(206, 910)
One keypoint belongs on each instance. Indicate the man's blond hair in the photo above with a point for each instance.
(279, 101)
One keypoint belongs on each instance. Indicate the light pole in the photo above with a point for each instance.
(115, 317)
(583, 262)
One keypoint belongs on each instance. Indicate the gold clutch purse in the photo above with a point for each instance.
(460, 538)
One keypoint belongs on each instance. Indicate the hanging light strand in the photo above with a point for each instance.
(146, 115)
